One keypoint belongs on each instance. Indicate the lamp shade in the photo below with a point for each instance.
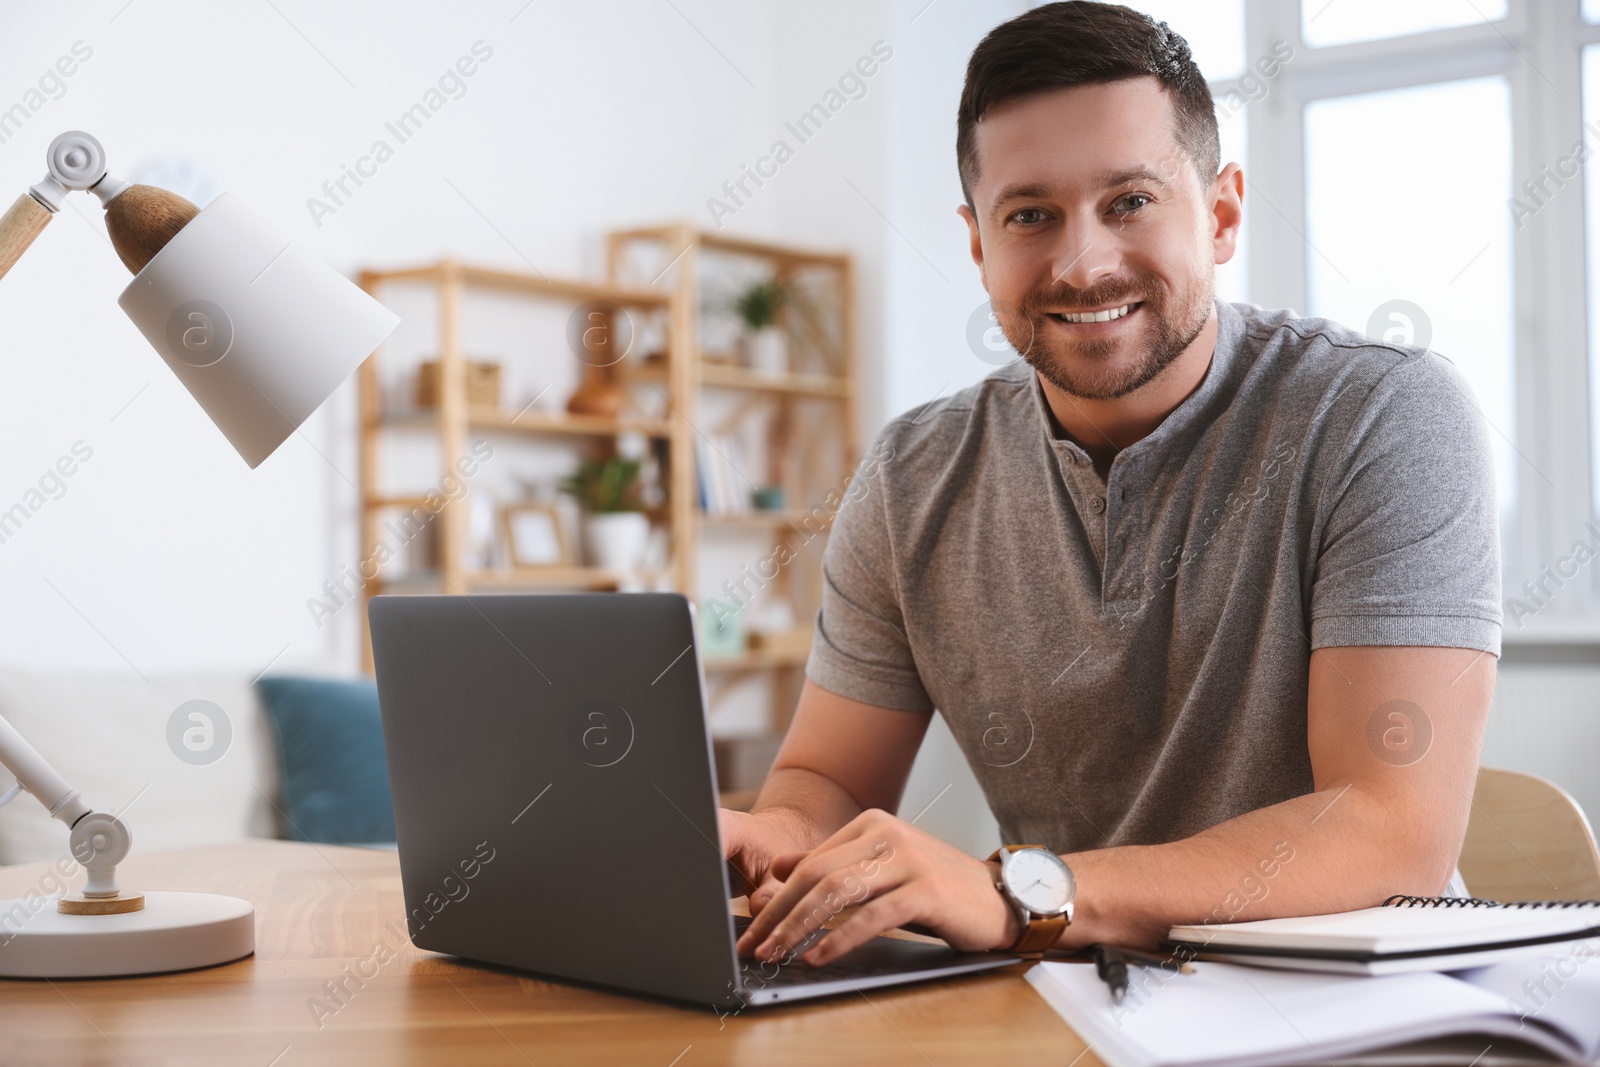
(258, 329)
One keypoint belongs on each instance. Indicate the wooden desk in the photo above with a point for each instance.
(322, 908)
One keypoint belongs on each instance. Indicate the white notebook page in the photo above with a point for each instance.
(1236, 1015)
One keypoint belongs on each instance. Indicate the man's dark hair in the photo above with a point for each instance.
(1075, 42)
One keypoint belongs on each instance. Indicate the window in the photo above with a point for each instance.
(1331, 22)
(1591, 185)
(1403, 251)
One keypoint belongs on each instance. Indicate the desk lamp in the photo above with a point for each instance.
(260, 332)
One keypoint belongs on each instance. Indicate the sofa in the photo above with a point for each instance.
(196, 759)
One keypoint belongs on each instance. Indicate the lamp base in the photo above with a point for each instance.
(173, 932)
(121, 904)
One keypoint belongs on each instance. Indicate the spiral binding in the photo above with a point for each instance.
(1400, 900)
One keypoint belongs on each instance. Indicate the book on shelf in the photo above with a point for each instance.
(702, 483)
(720, 465)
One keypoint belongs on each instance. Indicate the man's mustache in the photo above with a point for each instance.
(1066, 298)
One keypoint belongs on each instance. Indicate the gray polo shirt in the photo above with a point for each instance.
(1126, 662)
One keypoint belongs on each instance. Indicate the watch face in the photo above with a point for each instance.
(1040, 881)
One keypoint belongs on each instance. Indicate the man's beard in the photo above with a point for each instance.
(1169, 332)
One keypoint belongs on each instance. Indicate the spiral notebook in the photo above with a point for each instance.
(1516, 1014)
(1405, 934)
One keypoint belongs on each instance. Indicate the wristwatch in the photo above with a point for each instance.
(1039, 886)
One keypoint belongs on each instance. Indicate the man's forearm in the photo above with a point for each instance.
(1334, 850)
(1384, 821)
(805, 806)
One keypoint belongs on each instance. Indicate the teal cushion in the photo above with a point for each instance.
(335, 777)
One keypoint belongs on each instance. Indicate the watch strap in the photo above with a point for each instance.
(1039, 932)
(1010, 848)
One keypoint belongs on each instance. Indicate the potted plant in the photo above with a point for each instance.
(616, 531)
(766, 346)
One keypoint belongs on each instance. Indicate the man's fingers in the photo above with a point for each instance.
(802, 877)
(745, 862)
(839, 888)
(885, 912)
(762, 894)
(782, 866)
(739, 880)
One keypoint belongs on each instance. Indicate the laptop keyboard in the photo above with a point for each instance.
(757, 973)
(798, 973)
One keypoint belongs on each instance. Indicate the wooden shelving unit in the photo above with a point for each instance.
(455, 423)
(814, 406)
(824, 375)
(532, 423)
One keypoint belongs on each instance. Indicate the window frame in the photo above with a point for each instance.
(1538, 49)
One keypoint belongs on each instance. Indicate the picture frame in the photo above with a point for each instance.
(534, 536)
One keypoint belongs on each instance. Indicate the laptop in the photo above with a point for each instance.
(555, 801)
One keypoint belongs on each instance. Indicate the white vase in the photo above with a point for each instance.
(478, 552)
(616, 540)
(769, 351)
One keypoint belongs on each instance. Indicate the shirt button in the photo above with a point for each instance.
(1097, 505)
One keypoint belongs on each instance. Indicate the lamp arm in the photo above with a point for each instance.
(19, 226)
(36, 776)
(99, 840)
(76, 161)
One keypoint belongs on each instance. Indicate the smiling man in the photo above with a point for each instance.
(1208, 593)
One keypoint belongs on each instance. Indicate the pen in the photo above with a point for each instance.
(1113, 970)
(1151, 959)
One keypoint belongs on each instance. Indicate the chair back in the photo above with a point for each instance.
(1527, 839)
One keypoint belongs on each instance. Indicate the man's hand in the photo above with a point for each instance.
(751, 842)
(896, 874)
